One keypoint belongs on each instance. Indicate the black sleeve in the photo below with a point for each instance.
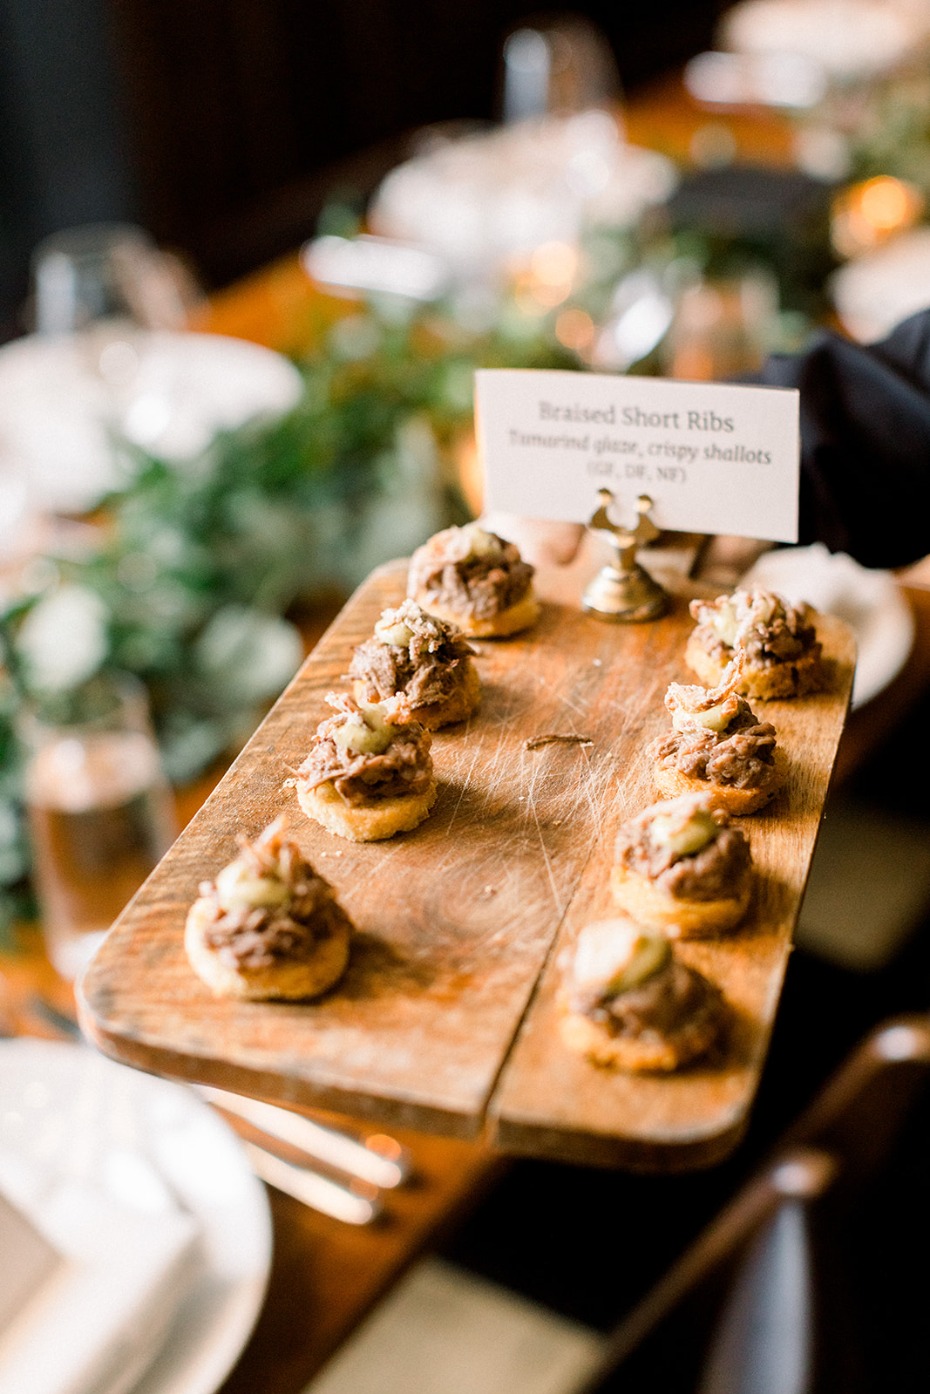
(865, 442)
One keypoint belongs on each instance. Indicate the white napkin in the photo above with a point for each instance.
(874, 292)
(29, 1260)
(101, 1315)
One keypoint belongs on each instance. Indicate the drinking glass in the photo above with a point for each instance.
(105, 303)
(110, 275)
(100, 811)
(721, 327)
(556, 65)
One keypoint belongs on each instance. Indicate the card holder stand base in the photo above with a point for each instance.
(623, 591)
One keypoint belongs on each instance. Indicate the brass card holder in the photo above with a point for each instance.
(622, 591)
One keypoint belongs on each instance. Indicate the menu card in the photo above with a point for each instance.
(712, 457)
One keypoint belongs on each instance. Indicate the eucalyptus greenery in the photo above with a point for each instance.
(195, 575)
(891, 132)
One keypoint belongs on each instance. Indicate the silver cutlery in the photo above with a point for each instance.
(355, 1204)
(378, 1159)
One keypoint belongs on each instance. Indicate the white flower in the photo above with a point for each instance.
(252, 654)
(63, 639)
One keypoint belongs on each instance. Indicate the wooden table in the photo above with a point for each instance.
(325, 1275)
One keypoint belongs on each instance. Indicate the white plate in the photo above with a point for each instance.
(848, 38)
(870, 601)
(77, 1103)
(879, 289)
(167, 392)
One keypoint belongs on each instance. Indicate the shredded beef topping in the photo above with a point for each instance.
(658, 1006)
(424, 670)
(762, 626)
(403, 767)
(448, 570)
(258, 936)
(743, 756)
(708, 874)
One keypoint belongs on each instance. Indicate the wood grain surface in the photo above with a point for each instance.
(445, 1019)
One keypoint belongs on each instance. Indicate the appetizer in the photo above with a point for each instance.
(682, 868)
(423, 662)
(776, 641)
(267, 926)
(369, 773)
(474, 579)
(719, 746)
(628, 1002)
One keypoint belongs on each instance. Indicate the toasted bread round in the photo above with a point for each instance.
(290, 979)
(460, 703)
(652, 906)
(650, 1052)
(365, 822)
(516, 617)
(793, 678)
(671, 782)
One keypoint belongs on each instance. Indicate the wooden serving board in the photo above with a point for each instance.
(445, 1020)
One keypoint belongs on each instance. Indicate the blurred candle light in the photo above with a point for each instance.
(871, 212)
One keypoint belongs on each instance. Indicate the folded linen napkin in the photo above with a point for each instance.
(29, 1260)
(99, 1318)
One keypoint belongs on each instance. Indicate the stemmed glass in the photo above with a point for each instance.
(557, 65)
(110, 274)
(103, 296)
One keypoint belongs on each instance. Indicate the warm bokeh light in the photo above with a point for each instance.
(469, 471)
(887, 203)
(545, 279)
(574, 329)
(554, 264)
(871, 212)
